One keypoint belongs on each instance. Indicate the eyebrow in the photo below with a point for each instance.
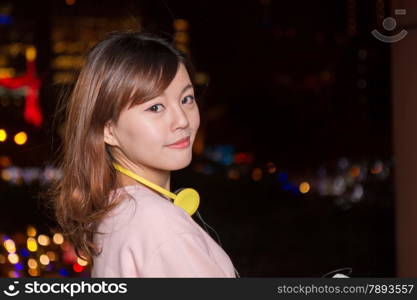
(188, 86)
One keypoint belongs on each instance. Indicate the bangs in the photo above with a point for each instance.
(151, 80)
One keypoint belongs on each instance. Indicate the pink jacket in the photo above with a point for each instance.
(149, 236)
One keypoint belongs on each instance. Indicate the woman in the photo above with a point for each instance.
(132, 103)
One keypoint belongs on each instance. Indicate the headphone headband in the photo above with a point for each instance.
(188, 198)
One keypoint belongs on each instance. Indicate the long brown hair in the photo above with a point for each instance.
(123, 70)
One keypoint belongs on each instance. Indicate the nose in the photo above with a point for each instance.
(179, 118)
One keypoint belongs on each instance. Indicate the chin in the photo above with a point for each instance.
(178, 165)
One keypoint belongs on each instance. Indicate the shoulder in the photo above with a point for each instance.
(143, 216)
(134, 231)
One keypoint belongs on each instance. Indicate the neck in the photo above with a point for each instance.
(159, 177)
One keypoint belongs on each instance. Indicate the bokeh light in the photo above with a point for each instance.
(3, 135)
(31, 231)
(13, 274)
(32, 245)
(32, 263)
(10, 246)
(58, 238)
(33, 272)
(30, 53)
(81, 262)
(304, 187)
(77, 268)
(20, 138)
(13, 258)
(44, 259)
(5, 175)
(44, 240)
(51, 255)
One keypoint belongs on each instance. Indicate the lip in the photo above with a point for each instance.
(183, 143)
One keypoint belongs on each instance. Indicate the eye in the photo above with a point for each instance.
(151, 108)
(190, 97)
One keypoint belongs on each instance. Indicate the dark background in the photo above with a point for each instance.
(301, 84)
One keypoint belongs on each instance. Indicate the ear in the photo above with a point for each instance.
(109, 137)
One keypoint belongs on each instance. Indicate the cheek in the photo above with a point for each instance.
(145, 134)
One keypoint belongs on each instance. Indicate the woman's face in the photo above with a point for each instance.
(144, 131)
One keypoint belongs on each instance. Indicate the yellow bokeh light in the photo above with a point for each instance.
(44, 240)
(13, 258)
(20, 138)
(31, 244)
(58, 238)
(44, 259)
(32, 263)
(81, 262)
(31, 231)
(304, 187)
(33, 272)
(30, 53)
(51, 255)
(3, 135)
(10, 246)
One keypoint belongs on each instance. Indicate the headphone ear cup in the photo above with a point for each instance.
(188, 199)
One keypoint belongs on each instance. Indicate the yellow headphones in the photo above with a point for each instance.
(186, 198)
